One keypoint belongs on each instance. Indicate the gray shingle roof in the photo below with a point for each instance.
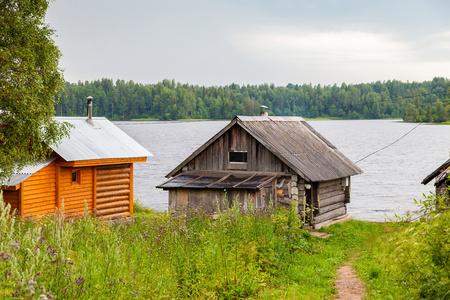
(302, 148)
(102, 141)
(437, 172)
(296, 143)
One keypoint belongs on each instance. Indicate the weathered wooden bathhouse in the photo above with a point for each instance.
(262, 159)
(93, 165)
(441, 174)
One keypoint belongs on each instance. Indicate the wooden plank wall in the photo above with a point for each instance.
(12, 197)
(215, 157)
(209, 199)
(39, 192)
(331, 201)
(74, 194)
(178, 198)
(114, 191)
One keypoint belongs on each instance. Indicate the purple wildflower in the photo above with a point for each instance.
(15, 244)
(79, 280)
(4, 256)
(49, 295)
(51, 250)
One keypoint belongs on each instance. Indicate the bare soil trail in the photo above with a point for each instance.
(348, 284)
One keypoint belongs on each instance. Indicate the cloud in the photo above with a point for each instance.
(318, 48)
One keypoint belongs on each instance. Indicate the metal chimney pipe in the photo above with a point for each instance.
(89, 110)
(264, 112)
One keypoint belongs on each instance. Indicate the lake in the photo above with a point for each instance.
(390, 182)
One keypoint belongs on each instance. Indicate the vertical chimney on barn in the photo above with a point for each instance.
(89, 111)
(264, 111)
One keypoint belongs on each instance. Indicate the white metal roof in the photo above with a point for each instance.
(102, 141)
(27, 171)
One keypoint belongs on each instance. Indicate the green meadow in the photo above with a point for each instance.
(236, 254)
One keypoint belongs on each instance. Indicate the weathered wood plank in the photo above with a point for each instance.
(330, 215)
(331, 194)
(332, 200)
(331, 188)
(325, 184)
(325, 209)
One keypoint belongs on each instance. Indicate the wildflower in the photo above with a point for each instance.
(4, 256)
(15, 244)
(49, 295)
(30, 289)
(43, 297)
(32, 282)
(79, 280)
(51, 250)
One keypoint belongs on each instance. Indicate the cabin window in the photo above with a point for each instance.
(237, 160)
(237, 157)
(76, 176)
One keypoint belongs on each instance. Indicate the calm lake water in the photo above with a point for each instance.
(390, 182)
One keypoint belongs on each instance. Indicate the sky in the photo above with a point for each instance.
(210, 42)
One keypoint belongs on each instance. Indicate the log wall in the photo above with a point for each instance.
(74, 194)
(331, 199)
(107, 189)
(38, 192)
(12, 198)
(215, 157)
(114, 191)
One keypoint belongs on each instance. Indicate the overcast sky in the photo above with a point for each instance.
(209, 42)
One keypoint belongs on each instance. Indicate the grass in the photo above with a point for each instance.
(441, 123)
(411, 260)
(253, 254)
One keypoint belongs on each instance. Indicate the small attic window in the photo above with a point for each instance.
(76, 176)
(237, 156)
(237, 160)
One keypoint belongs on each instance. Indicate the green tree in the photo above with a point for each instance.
(411, 114)
(438, 112)
(29, 80)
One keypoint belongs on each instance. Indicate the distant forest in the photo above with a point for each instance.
(167, 100)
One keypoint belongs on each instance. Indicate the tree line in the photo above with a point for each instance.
(170, 100)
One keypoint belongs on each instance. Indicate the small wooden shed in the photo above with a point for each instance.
(93, 165)
(262, 159)
(441, 174)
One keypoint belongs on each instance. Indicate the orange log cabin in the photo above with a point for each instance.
(94, 165)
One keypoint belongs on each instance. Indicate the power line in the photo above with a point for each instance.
(389, 144)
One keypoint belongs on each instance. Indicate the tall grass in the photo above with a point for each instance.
(254, 253)
(412, 261)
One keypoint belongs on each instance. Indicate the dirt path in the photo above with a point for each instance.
(348, 284)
